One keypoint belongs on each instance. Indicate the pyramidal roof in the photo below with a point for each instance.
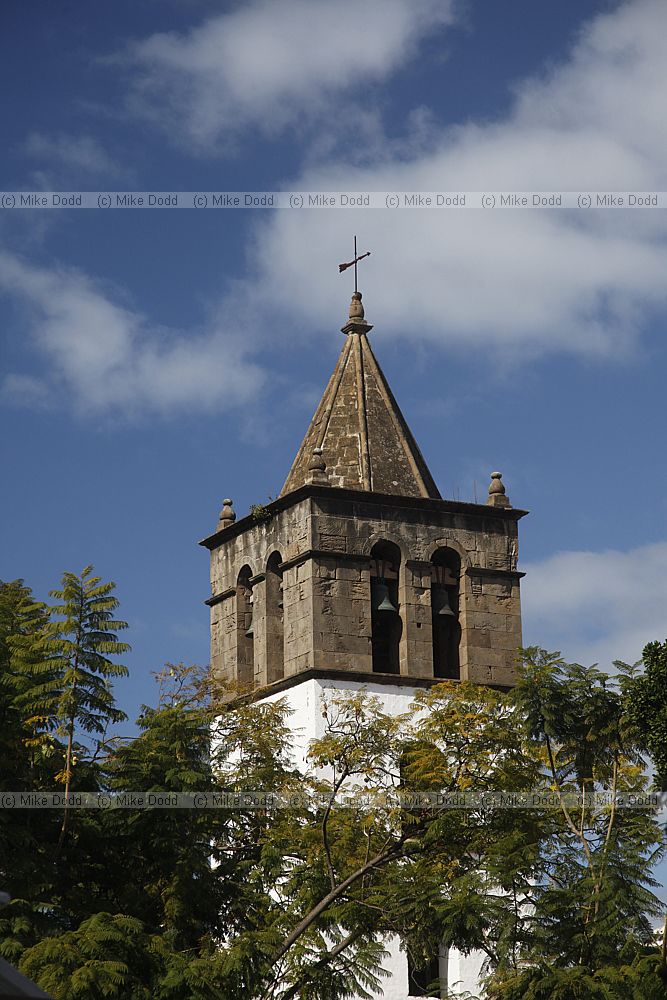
(364, 440)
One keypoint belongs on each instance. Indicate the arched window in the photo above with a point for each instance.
(386, 624)
(445, 579)
(275, 628)
(245, 646)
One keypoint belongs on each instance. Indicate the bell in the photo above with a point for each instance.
(250, 631)
(380, 597)
(442, 599)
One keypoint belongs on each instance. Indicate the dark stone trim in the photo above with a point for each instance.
(361, 496)
(418, 563)
(323, 673)
(222, 596)
(357, 557)
(257, 578)
(511, 574)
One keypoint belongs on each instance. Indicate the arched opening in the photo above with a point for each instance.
(386, 624)
(425, 976)
(275, 627)
(445, 580)
(245, 644)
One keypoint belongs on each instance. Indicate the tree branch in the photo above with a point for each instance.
(325, 819)
(324, 960)
(377, 862)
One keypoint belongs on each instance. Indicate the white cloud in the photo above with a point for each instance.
(269, 63)
(512, 284)
(81, 154)
(597, 606)
(523, 281)
(104, 357)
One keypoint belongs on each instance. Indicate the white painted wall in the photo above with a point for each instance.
(461, 973)
(464, 972)
(305, 700)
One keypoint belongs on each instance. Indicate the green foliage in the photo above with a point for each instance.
(27, 750)
(276, 904)
(56, 679)
(106, 957)
(584, 929)
(259, 512)
(30, 758)
(78, 644)
(647, 707)
(641, 979)
(77, 691)
(115, 957)
(178, 894)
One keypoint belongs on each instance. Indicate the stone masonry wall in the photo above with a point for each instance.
(288, 533)
(490, 610)
(325, 544)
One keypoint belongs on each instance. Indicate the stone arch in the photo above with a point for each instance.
(449, 543)
(385, 536)
(275, 619)
(386, 621)
(245, 644)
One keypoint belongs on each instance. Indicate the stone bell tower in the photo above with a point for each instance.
(360, 575)
(360, 571)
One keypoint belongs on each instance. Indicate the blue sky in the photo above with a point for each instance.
(153, 363)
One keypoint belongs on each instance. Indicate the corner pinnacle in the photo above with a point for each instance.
(497, 493)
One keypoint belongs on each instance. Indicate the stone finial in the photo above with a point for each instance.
(356, 307)
(356, 322)
(317, 469)
(227, 515)
(497, 494)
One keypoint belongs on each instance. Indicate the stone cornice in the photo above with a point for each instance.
(222, 596)
(350, 497)
(510, 574)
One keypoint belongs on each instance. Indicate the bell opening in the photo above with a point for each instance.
(445, 606)
(386, 624)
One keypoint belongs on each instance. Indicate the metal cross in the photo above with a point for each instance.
(353, 263)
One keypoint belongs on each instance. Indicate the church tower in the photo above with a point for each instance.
(360, 575)
(360, 571)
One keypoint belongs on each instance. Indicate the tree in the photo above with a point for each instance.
(179, 895)
(55, 681)
(23, 744)
(583, 928)
(297, 901)
(646, 703)
(30, 758)
(358, 865)
(77, 690)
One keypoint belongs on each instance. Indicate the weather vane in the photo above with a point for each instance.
(353, 263)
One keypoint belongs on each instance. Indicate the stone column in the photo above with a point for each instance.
(416, 652)
(298, 621)
(261, 637)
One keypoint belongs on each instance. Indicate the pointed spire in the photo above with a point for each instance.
(360, 428)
